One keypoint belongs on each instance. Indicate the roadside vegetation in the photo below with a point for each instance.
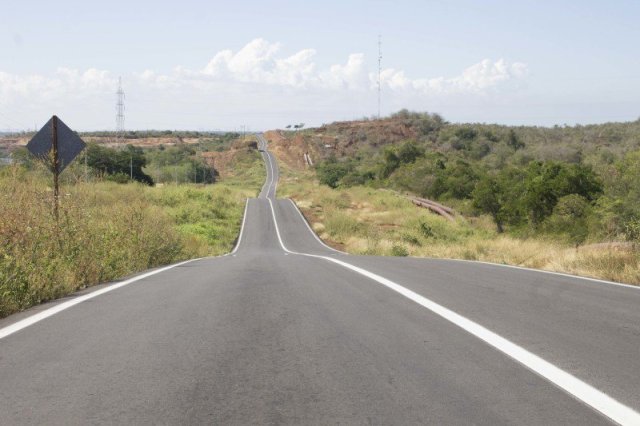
(562, 199)
(107, 229)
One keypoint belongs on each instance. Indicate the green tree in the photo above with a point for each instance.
(488, 197)
(390, 162)
(570, 218)
(110, 162)
(409, 152)
(547, 182)
(513, 141)
(330, 172)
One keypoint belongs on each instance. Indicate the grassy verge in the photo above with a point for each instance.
(108, 230)
(362, 220)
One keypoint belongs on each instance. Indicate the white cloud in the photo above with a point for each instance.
(349, 76)
(476, 79)
(253, 77)
(64, 83)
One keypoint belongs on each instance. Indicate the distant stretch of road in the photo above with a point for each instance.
(286, 330)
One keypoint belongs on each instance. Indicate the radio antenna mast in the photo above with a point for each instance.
(379, 71)
(119, 113)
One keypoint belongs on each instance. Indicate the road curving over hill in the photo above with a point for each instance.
(286, 330)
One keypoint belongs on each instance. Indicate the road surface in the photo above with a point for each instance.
(286, 330)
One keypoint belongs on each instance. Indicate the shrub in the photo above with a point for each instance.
(398, 250)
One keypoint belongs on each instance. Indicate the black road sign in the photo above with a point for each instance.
(69, 145)
(56, 145)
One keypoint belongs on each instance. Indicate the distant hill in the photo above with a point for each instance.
(575, 180)
(477, 141)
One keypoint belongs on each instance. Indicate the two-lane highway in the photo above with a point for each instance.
(286, 330)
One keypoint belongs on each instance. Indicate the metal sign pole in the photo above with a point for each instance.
(54, 143)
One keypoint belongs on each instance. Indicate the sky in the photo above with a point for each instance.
(220, 65)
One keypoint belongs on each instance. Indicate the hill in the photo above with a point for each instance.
(575, 186)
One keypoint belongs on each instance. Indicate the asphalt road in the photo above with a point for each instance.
(288, 331)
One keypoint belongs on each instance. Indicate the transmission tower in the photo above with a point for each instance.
(379, 71)
(119, 113)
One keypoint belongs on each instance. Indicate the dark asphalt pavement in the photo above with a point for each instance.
(273, 336)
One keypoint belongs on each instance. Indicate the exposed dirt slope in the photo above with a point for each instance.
(339, 139)
(224, 161)
(290, 148)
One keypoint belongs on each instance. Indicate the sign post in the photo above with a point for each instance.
(56, 174)
(56, 145)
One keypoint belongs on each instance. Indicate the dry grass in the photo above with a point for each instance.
(107, 230)
(368, 221)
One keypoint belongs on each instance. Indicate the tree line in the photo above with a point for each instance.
(576, 183)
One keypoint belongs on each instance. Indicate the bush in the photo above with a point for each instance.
(330, 172)
(569, 218)
(398, 250)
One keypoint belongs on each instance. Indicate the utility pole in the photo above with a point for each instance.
(119, 113)
(379, 71)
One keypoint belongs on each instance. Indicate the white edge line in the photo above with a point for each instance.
(270, 160)
(481, 262)
(275, 222)
(244, 219)
(312, 231)
(268, 154)
(275, 187)
(581, 390)
(266, 179)
(542, 271)
(29, 321)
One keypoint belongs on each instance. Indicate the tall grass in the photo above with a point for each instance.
(363, 220)
(107, 230)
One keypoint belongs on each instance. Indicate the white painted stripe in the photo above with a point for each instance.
(29, 321)
(591, 396)
(311, 230)
(270, 178)
(274, 185)
(267, 184)
(244, 219)
(275, 222)
(271, 174)
(542, 271)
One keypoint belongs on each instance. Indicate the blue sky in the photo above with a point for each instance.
(265, 64)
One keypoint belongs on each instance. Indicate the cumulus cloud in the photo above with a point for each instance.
(259, 62)
(64, 83)
(262, 64)
(476, 79)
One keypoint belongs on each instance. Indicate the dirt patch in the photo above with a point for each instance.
(292, 148)
(11, 143)
(224, 161)
(339, 139)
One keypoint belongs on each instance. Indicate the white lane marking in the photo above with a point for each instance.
(267, 183)
(272, 186)
(542, 271)
(591, 396)
(244, 219)
(273, 182)
(22, 324)
(271, 177)
(312, 232)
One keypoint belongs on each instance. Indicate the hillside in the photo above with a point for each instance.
(561, 188)
(489, 142)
